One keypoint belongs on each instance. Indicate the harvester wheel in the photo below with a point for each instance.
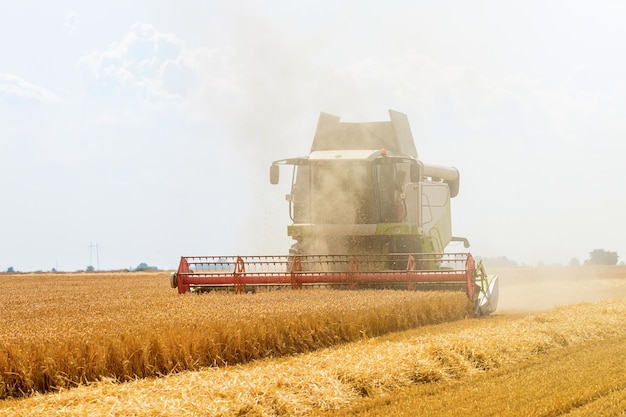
(174, 280)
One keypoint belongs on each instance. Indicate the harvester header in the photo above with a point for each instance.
(365, 212)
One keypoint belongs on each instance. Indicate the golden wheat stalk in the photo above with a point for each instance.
(79, 328)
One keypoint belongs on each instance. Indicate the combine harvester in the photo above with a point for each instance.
(366, 213)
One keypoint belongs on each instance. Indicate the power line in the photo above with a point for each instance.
(91, 247)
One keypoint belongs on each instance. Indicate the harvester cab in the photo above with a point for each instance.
(365, 212)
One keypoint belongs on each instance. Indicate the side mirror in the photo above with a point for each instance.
(274, 174)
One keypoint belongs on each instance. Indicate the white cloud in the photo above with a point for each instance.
(146, 63)
(13, 87)
(72, 22)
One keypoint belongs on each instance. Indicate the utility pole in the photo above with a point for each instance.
(91, 247)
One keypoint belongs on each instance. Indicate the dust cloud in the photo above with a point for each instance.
(333, 195)
(345, 199)
(539, 289)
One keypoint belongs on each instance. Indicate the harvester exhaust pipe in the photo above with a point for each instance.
(449, 175)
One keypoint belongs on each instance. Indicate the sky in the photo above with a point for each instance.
(140, 131)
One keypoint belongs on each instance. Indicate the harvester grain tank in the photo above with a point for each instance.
(365, 212)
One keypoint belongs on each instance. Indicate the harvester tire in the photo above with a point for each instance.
(174, 280)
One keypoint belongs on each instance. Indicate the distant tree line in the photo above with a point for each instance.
(596, 257)
(90, 268)
(145, 267)
(141, 267)
(602, 257)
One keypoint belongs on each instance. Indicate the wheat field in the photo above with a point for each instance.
(451, 368)
(63, 330)
(333, 380)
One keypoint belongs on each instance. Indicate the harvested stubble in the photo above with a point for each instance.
(63, 330)
(334, 378)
